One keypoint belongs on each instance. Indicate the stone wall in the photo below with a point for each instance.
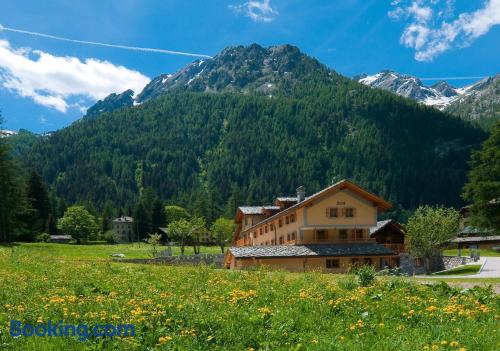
(407, 263)
(215, 259)
(453, 261)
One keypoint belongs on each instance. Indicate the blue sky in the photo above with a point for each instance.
(46, 84)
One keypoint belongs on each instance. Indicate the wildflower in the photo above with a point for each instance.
(164, 339)
(210, 337)
(462, 349)
(454, 343)
(341, 338)
(431, 308)
(264, 311)
(444, 342)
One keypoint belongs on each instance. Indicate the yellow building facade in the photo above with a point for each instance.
(328, 231)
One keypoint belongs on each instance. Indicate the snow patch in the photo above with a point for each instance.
(370, 79)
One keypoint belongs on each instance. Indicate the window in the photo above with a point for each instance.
(267, 243)
(367, 261)
(282, 240)
(359, 234)
(246, 220)
(288, 237)
(293, 235)
(287, 220)
(332, 212)
(272, 226)
(321, 234)
(343, 234)
(280, 222)
(292, 218)
(272, 241)
(349, 212)
(355, 261)
(265, 228)
(260, 231)
(332, 264)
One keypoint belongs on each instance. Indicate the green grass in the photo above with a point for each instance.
(494, 281)
(462, 270)
(104, 252)
(202, 308)
(466, 252)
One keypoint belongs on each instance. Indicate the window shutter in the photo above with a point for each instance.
(342, 212)
(354, 211)
(327, 212)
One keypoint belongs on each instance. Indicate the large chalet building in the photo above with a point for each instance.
(329, 231)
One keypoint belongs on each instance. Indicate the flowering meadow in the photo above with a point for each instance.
(203, 308)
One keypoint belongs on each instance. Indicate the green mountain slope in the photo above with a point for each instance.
(210, 151)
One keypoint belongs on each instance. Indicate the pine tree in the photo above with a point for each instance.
(141, 221)
(13, 202)
(158, 216)
(106, 219)
(483, 188)
(39, 200)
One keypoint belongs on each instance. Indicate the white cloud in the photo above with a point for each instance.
(53, 80)
(258, 11)
(432, 29)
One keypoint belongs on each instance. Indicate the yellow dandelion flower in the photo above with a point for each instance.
(454, 343)
(431, 308)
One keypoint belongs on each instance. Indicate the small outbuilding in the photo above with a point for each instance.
(61, 239)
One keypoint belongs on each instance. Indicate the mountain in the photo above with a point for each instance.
(6, 133)
(438, 95)
(248, 70)
(478, 102)
(110, 103)
(213, 135)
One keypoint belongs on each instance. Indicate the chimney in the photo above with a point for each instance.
(301, 193)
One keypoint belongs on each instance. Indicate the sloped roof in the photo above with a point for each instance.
(382, 224)
(473, 239)
(287, 199)
(252, 210)
(341, 185)
(469, 230)
(123, 219)
(318, 250)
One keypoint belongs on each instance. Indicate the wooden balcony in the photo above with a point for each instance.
(397, 248)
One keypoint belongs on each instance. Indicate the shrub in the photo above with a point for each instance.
(42, 238)
(110, 237)
(365, 274)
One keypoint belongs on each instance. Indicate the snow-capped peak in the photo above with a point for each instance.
(439, 95)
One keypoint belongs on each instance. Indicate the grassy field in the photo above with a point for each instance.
(201, 308)
(104, 252)
(462, 270)
(466, 252)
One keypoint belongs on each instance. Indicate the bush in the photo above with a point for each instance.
(110, 237)
(365, 274)
(42, 238)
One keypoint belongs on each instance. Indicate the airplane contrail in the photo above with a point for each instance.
(124, 47)
(452, 78)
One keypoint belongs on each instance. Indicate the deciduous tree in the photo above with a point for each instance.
(78, 223)
(222, 230)
(429, 229)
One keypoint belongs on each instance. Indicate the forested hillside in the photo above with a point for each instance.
(213, 151)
